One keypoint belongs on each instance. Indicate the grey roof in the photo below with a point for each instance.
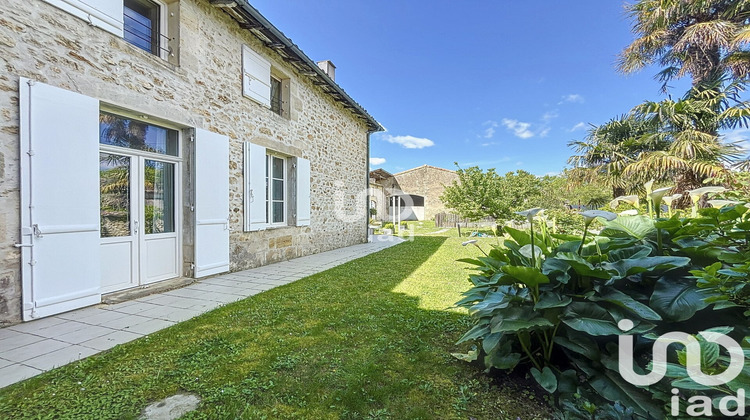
(249, 18)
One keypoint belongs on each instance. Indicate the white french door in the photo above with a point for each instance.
(140, 239)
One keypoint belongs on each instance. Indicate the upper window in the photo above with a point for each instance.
(116, 130)
(276, 95)
(263, 83)
(142, 25)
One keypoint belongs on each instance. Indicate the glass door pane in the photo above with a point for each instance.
(114, 184)
(159, 187)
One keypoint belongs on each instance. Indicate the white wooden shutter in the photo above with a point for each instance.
(256, 76)
(303, 192)
(255, 187)
(59, 200)
(106, 14)
(211, 203)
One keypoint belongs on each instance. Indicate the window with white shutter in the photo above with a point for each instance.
(105, 14)
(273, 191)
(256, 76)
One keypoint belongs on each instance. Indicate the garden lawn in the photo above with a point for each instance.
(370, 339)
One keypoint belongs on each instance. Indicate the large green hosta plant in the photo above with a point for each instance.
(556, 311)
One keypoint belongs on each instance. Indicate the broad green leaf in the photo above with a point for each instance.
(476, 332)
(530, 276)
(634, 252)
(624, 301)
(473, 295)
(522, 238)
(517, 319)
(733, 257)
(583, 267)
(526, 251)
(687, 383)
(552, 300)
(568, 382)
(502, 357)
(709, 352)
(580, 343)
(678, 299)
(590, 318)
(610, 385)
(490, 341)
(492, 301)
(630, 266)
(492, 262)
(471, 261)
(546, 378)
(638, 227)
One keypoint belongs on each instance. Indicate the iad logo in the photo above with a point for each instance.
(702, 404)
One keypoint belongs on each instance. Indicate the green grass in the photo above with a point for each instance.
(370, 339)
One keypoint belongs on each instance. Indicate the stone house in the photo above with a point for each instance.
(381, 181)
(146, 140)
(419, 190)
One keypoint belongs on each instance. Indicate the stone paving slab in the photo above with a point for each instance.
(33, 347)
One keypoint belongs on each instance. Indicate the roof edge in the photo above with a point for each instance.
(251, 19)
(424, 167)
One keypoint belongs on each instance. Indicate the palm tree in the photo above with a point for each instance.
(699, 38)
(669, 141)
(689, 131)
(609, 148)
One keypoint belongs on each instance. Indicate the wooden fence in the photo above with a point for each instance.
(447, 220)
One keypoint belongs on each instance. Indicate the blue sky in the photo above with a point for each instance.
(497, 84)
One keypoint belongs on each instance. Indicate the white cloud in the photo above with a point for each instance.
(544, 132)
(489, 143)
(409, 142)
(519, 129)
(580, 126)
(519, 163)
(550, 115)
(573, 98)
(740, 137)
(375, 161)
(489, 132)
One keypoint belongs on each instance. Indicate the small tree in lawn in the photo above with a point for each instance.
(478, 194)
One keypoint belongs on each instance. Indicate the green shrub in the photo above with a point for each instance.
(388, 225)
(555, 312)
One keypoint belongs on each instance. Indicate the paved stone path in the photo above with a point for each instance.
(30, 348)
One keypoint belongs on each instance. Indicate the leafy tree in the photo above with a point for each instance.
(478, 194)
(699, 38)
(572, 188)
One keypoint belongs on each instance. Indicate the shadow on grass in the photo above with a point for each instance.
(338, 344)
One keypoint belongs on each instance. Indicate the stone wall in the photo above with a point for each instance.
(200, 87)
(429, 182)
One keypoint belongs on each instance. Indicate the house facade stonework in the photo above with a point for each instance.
(194, 87)
(419, 190)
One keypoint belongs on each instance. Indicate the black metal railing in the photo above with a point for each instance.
(145, 37)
